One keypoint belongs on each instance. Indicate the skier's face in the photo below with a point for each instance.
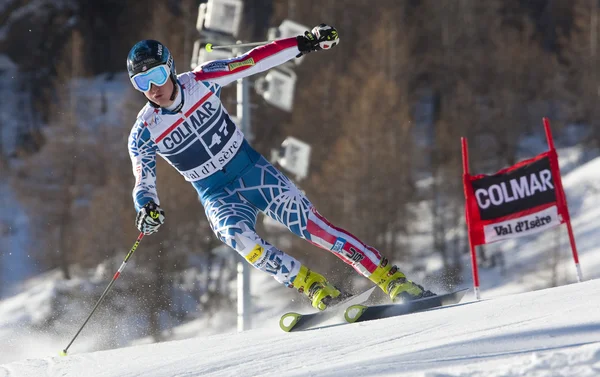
(161, 95)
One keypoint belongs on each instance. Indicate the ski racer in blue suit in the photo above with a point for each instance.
(185, 123)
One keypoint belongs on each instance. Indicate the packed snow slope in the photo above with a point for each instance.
(551, 332)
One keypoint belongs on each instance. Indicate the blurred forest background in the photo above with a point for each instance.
(384, 112)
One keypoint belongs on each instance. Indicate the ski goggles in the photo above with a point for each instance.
(156, 75)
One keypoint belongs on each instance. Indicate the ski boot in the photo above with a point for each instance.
(394, 283)
(315, 287)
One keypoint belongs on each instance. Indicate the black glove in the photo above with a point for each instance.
(322, 37)
(150, 218)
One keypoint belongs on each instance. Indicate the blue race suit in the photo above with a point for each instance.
(234, 181)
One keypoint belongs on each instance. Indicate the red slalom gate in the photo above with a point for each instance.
(520, 200)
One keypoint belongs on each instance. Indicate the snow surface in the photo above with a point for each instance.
(551, 332)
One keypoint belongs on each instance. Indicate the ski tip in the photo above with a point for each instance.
(353, 313)
(288, 321)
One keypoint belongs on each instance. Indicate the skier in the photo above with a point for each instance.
(185, 122)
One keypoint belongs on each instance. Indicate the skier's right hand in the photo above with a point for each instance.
(149, 218)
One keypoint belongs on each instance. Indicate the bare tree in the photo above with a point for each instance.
(581, 52)
(52, 174)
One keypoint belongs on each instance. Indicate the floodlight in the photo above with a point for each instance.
(277, 88)
(295, 157)
(223, 16)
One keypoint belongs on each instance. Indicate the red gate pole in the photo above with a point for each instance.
(475, 271)
(563, 198)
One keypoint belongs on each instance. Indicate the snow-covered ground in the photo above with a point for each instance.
(551, 332)
(516, 330)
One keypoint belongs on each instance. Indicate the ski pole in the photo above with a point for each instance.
(209, 46)
(117, 274)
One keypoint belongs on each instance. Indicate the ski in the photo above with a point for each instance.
(293, 321)
(359, 313)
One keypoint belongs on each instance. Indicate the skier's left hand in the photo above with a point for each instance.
(322, 37)
(149, 218)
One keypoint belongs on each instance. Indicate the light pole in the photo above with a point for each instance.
(218, 21)
(243, 279)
